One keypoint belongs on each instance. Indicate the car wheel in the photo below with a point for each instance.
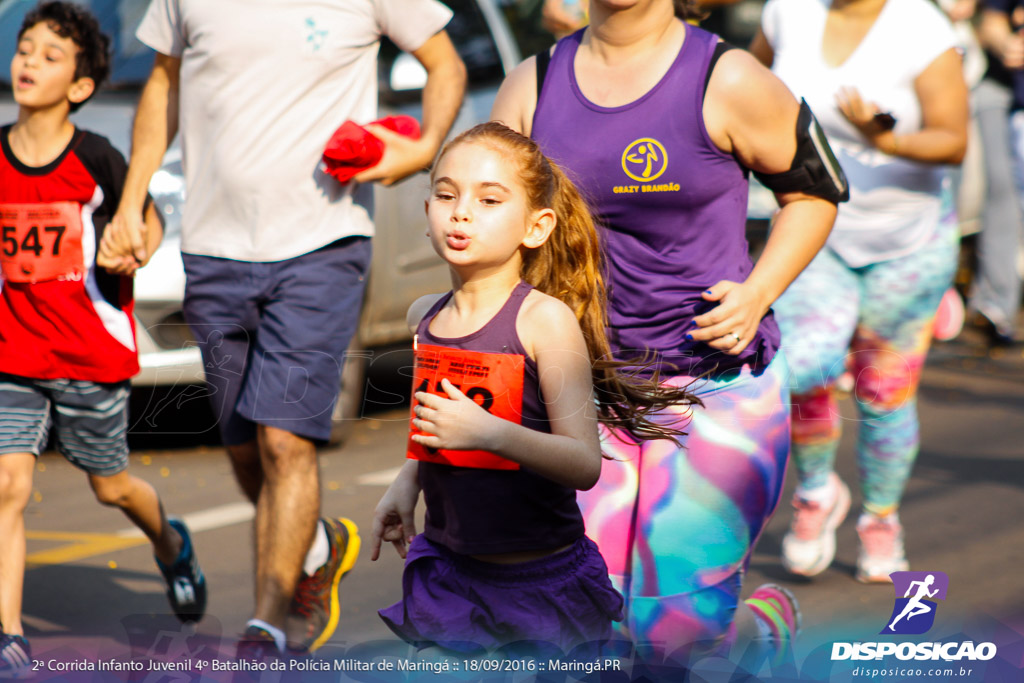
(348, 407)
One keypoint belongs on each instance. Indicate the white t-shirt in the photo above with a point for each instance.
(895, 204)
(264, 84)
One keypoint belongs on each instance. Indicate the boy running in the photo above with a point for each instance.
(67, 337)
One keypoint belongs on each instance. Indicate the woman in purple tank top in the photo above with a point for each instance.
(659, 127)
(511, 378)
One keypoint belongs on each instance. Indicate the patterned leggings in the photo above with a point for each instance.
(677, 525)
(875, 321)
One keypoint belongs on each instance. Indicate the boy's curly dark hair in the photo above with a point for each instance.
(72, 21)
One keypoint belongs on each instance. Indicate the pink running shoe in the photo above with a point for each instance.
(779, 610)
(810, 545)
(949, 318)
(881, 548)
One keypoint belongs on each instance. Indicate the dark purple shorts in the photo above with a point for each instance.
(564, 602)
(273, 335)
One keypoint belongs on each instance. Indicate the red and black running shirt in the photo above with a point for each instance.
(61, 317)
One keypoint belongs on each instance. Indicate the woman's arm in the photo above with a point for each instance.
(751, 114)
(942, 92)
(571, 453)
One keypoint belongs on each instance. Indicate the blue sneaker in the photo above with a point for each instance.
(186, 585)
(15, 656)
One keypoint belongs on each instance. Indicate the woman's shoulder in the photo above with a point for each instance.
(932, 35)
(790, 17)
(928, 20)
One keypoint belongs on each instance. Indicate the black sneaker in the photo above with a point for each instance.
(314, 610)
(186, 585)
(15, 656)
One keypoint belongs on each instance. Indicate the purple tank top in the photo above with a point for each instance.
(672, 205)
(480, 511)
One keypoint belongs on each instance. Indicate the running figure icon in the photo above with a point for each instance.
(915, 607)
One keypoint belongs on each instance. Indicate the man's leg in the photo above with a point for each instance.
(308, 315)
(245, 462)
(286, 516)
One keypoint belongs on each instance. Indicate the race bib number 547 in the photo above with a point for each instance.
(494, 380)
(40, 242)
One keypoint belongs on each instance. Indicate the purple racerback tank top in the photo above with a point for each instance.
(481, 511)
(671, 204)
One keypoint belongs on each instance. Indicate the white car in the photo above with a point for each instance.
(404, 265)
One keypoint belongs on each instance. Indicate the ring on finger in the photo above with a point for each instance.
(735, 336)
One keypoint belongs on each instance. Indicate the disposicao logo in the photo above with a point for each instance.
(913, 613)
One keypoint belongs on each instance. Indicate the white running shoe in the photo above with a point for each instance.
(810, 545)
(881, 548)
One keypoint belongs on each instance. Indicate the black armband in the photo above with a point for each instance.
(815, 170)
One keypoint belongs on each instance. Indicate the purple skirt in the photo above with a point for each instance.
(564, 601)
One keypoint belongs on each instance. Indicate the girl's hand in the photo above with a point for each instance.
(731, 325)
(394, 520)
(457, 423)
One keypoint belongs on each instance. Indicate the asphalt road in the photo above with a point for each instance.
(92, 590)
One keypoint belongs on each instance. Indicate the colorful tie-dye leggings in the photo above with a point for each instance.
(875, 321)
(677, 525)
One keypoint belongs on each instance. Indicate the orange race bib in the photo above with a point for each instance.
(41, 242)
(494, 380)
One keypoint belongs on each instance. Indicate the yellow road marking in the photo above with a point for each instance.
(81, 545)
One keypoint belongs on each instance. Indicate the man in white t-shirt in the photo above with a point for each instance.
(275, 250)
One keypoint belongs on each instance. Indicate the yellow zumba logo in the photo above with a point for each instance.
(647, 159)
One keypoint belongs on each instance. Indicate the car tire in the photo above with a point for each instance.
(349, 406)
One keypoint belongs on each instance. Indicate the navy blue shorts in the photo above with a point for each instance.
(273, 335)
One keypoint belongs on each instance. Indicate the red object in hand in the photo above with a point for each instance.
(353, 149)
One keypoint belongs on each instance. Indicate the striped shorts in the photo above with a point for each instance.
(90, 420)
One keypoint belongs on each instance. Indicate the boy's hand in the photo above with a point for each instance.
(457, 423)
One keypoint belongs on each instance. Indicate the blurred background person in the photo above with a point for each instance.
(894, 104)
(996, 295)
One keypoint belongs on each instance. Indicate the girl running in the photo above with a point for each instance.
(508, 366)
